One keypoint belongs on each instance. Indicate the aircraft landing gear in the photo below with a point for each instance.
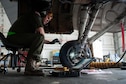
(71, 54)
(76, 53)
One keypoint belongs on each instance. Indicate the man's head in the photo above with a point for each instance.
(48, 17)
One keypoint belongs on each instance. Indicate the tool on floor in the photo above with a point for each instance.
(71, 72)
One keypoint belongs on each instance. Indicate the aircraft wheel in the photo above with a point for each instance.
(70, 54)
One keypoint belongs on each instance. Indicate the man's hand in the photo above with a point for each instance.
(52, 42)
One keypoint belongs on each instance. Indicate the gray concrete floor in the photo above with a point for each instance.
(118, 76)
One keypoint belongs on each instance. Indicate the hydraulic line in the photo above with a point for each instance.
(104, 65)
(121, 57)
(108, 64)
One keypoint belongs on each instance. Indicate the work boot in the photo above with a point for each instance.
(31, 69)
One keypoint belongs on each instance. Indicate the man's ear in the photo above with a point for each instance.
(42, 14)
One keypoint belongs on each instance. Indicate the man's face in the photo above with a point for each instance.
(47, 19)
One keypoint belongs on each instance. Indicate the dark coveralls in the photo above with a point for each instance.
(22, 32)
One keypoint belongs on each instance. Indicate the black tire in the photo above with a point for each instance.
(69, 56)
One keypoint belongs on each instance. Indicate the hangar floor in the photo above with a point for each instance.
(117, 76)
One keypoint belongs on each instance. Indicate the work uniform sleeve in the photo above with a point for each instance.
(37, 21)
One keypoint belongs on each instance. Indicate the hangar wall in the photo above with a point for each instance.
(4, 21)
